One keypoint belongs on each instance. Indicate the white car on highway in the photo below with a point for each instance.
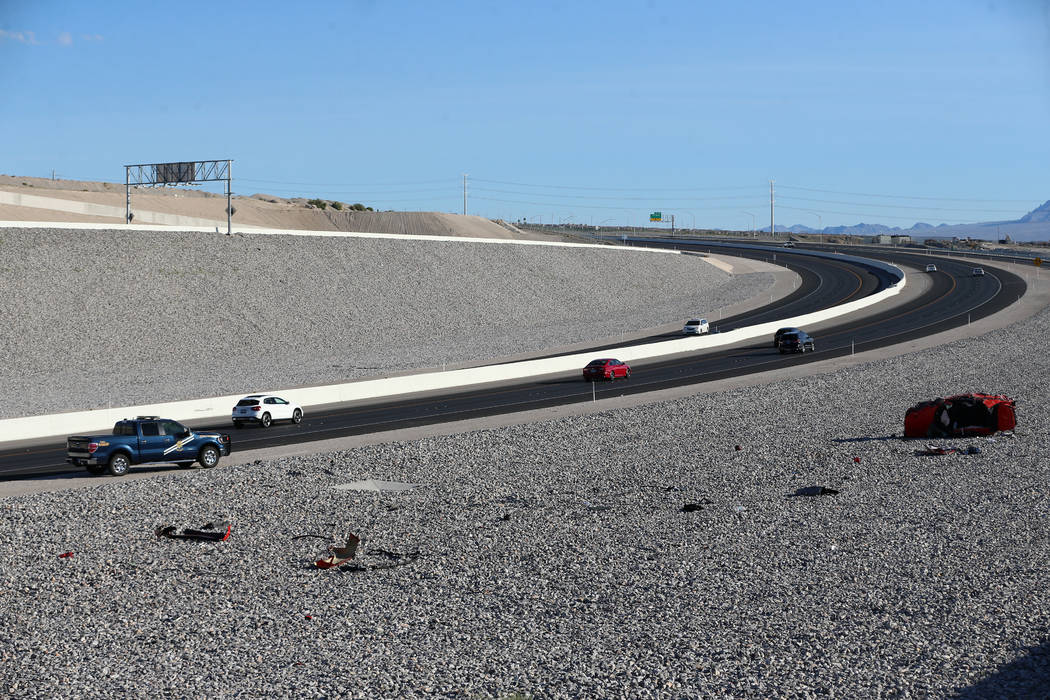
(696, 326)
(264, 409)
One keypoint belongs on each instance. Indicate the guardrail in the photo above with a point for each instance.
(32, 427)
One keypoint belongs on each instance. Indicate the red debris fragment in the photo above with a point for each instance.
(65, 555)
(309, 617)
(738, 448)
(856, 460)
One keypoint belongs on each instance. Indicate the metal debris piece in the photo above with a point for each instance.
(813, 491)
(340, 554)
(209, 532)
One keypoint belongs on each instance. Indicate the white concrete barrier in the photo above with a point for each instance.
(31, 427)
(220, 227)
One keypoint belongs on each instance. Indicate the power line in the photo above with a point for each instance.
(615, 189)
(594, 206)
(881, 216)
(616, 197)
(902, 206)
(900, 196)
(447, 181)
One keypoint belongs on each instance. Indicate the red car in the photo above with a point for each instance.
(606, 369)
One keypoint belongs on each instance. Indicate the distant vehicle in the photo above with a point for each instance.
(142, 440)
(696, 326)
(780, 334)
(606, 368)
(789, 244)
(799, 341)
(931, 268)
(265, 409)
(978, 272)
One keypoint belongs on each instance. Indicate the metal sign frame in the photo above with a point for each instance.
(180, 173)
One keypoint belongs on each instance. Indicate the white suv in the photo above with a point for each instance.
(264, 409)
(696, 326)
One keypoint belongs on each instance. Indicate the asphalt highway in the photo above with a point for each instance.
(954, 298)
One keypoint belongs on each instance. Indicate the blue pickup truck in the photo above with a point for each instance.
(146, 439)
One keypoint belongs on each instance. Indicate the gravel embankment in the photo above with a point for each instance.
(108, 318)
(555, 559)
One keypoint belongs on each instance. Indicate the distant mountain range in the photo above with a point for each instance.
(1033, 226)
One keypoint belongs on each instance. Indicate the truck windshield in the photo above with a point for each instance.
(124, 429)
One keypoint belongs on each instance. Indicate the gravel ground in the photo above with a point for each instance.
(555, 559)
(111, 318)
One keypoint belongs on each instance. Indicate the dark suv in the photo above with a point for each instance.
(780, 334)
(797, 341)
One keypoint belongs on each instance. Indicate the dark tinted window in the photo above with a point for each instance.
(248, 402)
(150, 429)
(596, 363)
(124, 429)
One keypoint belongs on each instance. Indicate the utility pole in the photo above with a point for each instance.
(464, 194)
(772, 228)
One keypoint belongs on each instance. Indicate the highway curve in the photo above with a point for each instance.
(953, 299)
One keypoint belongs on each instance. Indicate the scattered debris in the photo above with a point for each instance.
(856, 460)
(395, 559)
(340, 554)
(738, 448)
(691, 507)
(932, 450)
(65, 555)
(209, 532)
(813, 491)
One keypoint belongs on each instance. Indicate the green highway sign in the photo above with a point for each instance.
(656, 216)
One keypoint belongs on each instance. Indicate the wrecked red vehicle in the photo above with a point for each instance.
(963, 415)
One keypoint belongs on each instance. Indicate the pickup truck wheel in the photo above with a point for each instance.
(297, 416)
(209, 456)
(96, 469)
(119, 464)
(265, 420)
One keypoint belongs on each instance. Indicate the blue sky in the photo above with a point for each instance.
(588, 112)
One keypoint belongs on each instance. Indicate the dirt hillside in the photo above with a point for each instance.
(255, 210)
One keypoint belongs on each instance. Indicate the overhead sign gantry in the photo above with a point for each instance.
(191, 172)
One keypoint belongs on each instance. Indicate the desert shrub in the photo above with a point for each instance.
(319, 203)
(359, 207)
(338, 206)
